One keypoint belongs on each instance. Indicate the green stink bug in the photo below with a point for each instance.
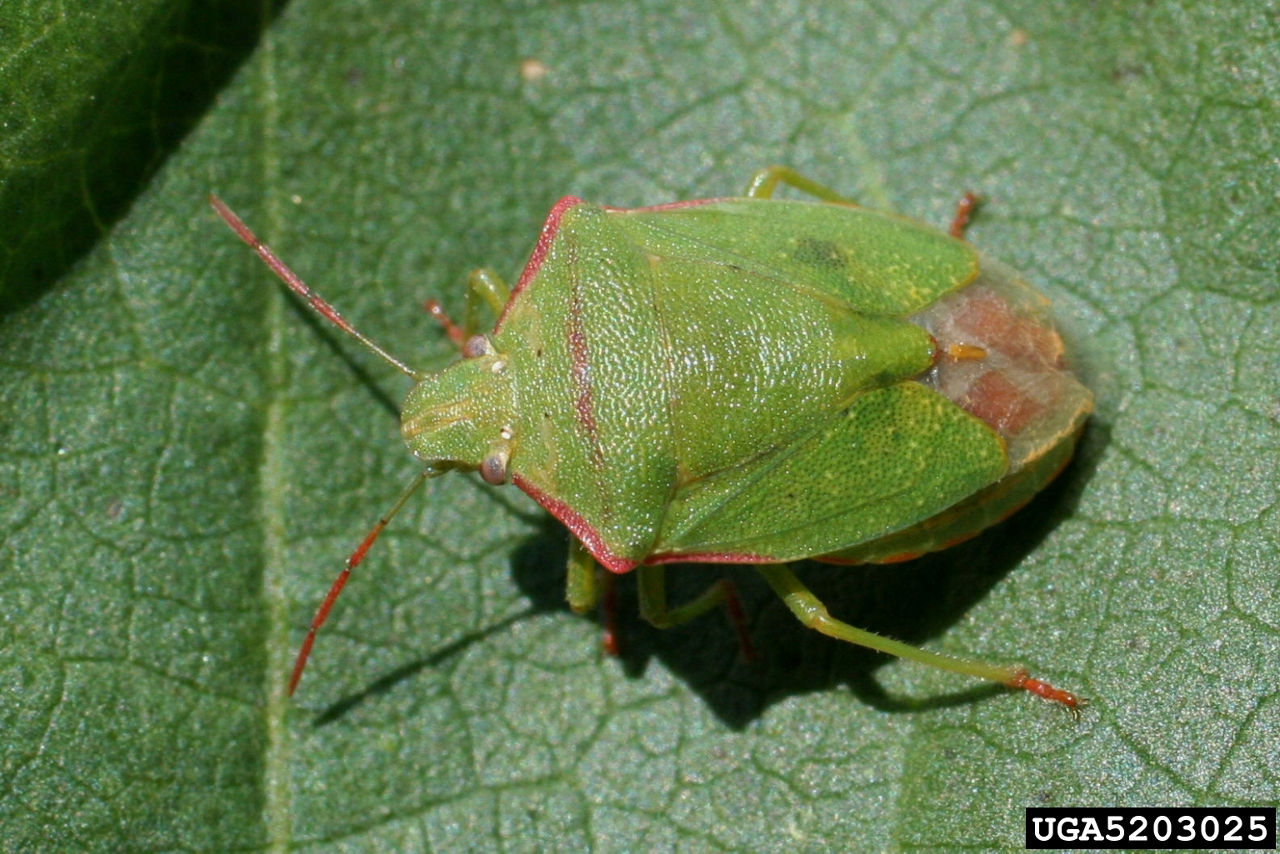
(747, 380)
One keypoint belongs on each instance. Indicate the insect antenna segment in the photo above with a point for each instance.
(299, 287)
(328, 312)
(322, 613)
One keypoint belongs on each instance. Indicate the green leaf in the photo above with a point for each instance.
(187, 455)
(96, 95)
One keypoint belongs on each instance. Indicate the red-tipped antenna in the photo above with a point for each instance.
(300, 287)
(322, 613)
(328, 312)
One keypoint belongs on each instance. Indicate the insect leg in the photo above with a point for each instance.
(455, 332)
(581, 589)
(813, 614)
(652, 583)
(483, 285)
(584, 590)
(964, 212)
(487, 286)
(609, 614)
(764, 182)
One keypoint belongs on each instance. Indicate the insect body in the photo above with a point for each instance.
(751, 380)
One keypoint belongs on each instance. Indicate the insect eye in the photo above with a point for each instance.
(493, 470)
(476, 346)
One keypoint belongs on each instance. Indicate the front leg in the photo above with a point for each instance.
(483, 285)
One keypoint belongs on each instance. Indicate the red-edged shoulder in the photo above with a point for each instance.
(552, 225)
(615, 563)
(549, 229)
(577, 526)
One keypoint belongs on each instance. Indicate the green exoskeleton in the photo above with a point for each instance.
(748, 380)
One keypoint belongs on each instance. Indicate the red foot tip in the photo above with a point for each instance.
(1043, 689)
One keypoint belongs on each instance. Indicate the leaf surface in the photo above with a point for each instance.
(187, 455)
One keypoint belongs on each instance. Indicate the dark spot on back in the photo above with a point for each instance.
(822, 254)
